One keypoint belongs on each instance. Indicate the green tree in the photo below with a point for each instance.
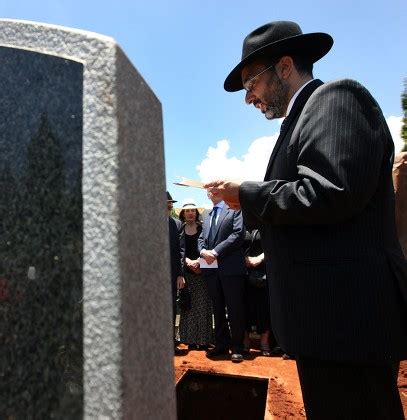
(404, 106)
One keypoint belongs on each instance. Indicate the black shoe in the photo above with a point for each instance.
(236, 357)
(177, 351)
(276, 351)
(287, 356)
(217, 351)
(202, 347)
(193, 347)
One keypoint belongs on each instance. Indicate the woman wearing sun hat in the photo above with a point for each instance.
(195, 328)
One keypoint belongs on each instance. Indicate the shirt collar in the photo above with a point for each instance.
(220, 204)
(291, 103)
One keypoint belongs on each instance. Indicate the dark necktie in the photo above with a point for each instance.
(212, 230)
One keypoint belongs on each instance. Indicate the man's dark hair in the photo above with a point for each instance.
(301, 63)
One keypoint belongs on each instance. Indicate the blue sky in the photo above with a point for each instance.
(185, 49)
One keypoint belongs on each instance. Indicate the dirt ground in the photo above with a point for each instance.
(284, 394)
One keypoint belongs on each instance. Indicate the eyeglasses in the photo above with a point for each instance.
(249, 84)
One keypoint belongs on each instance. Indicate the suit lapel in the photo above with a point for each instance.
(222, 215)
(206, 225)
(292, 118)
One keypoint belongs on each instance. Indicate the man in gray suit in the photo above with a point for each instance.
(337, 275)
(220, 245)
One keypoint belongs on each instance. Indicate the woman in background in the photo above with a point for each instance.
(195, 327)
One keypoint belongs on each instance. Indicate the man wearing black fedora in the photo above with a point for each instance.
(176, 258)
(337, 275)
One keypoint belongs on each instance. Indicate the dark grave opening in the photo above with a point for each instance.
(208, 396)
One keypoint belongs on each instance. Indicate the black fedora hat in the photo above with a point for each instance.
(169, 198)
(276, 39)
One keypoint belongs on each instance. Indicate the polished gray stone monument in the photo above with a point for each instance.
(85, 299)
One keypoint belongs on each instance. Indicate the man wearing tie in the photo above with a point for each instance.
(220, 245)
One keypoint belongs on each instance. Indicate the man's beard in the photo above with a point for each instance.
(278, 103)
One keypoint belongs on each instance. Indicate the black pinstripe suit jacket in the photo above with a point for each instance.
(338, 282)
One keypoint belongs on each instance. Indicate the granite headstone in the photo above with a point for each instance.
(85, 300)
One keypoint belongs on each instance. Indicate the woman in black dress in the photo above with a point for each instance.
(195, 327)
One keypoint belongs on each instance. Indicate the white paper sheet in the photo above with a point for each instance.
(204, 264)
(184, 182)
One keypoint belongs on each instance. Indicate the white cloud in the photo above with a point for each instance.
(252, 165)
(395, 124)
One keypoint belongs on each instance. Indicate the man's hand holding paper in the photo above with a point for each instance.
(228, 191)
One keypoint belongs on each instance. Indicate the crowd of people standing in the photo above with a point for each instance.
(212, 257)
